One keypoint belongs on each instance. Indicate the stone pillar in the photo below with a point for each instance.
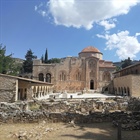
(44, 79)
(45, 90)
(119, 131)
(16, 93)
(37, 92)
(33, 93)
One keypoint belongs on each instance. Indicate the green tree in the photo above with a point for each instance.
(54, 60)
(7, 63)
(126, 62)
(46, 56)
(49, 61)
(28, 63)
(2, 58)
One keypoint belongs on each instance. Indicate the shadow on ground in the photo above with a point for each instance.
(99, 131)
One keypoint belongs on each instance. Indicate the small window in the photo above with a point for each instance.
(48, 77)
(41, 77)
(62, 76)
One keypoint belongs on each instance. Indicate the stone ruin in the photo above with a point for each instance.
(125, 110)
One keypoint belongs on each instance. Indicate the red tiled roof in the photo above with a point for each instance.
(90, 49)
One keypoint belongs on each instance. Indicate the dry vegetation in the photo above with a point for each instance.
(61, 131)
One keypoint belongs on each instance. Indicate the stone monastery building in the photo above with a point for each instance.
(86, 72)
(127, 81)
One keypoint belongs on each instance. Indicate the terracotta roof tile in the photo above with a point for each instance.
(90, 49)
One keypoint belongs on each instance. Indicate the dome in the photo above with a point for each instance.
(90, 49)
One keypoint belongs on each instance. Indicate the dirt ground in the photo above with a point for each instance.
(62, 131)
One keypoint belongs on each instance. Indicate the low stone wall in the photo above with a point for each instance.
(36, 116)
(85, 111)
(83, 106)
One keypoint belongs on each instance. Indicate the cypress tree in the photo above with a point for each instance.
(46, 56)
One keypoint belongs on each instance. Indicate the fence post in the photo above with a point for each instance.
(119, 131)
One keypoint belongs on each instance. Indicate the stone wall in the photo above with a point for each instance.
(7, 89)
(129, 81)
(14, 88)
(136, 85)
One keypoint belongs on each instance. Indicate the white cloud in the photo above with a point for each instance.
(36, 8)
(41, 9)
(125, 45)
(84, 13)
(137, 34)
(108, 24)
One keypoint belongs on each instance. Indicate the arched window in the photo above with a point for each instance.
(62, 76)
(48, 77)
(78, 76)
(106, 76)
(41, 77)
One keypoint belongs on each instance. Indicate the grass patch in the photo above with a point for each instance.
(34, 107)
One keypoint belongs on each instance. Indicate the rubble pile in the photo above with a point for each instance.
(128, 121)
(84, 106)
(78, 111)
(134, 104)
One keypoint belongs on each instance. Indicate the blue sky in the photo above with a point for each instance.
(65, 27)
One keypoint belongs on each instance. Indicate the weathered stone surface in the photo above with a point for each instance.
(73, 111)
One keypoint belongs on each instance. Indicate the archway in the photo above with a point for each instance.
(41, 77)
(91, 84)
(48, 77)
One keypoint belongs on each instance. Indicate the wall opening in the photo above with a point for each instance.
(41, 77)
(91, 84)
(22, 94)
(48, 77)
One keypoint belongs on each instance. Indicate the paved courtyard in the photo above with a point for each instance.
(77, 95)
